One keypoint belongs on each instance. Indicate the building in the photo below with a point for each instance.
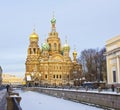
(51, 64)
(113, 60)
(11, 79)
(0, 75)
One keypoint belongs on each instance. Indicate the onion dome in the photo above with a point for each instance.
(45, 46)
(66, 47)
(74, 53)
(53, 20)
(34, 36)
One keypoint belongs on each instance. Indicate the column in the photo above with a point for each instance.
(118, 69)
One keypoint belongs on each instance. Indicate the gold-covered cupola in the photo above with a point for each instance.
(66, 46)
(34, 35)
(74, 55)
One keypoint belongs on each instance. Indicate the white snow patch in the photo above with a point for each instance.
(37, 101)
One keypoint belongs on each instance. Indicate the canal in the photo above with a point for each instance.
(37, 101)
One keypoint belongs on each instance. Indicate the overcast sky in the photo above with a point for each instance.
(86, 23)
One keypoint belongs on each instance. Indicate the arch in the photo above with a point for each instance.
(50, 46)
(59, 46)
(57, 57)
(34, 50)
(55, 46)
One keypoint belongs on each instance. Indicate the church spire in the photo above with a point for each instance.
(34, 29)
(53, 22)
(65, 39)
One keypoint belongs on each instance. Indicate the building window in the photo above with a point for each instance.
(46, 76)
(114, 76)
(34, 50)
(55, 46)
(50, 46)
(68, 76)
(56, 76)
(60, 76)
(59, 47)
(53, 76)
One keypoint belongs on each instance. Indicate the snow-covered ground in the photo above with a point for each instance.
(37, 101)
(2, 94)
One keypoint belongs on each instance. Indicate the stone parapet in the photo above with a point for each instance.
(105, 100)
(13, 101)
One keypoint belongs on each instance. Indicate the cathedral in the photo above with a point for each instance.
(51, 64)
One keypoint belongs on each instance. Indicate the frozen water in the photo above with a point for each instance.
(37, 101)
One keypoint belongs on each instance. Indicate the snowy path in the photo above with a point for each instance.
(36, 101)
(3, 101)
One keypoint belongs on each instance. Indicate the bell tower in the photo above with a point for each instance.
(53, 39)
(33, 54)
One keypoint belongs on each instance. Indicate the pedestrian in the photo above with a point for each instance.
(7, 87)
(113, 88)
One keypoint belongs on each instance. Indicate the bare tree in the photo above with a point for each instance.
(93, 64)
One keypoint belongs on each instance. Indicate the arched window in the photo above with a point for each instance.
(60, 67)
(34, 50)
(55, 46)
(114, 76)
(50, 46)
(53, 76)
(59, 47)
(60, 76)
(46, 76)
(56, 76)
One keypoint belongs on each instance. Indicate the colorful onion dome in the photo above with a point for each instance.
(53, 20)
(45, 46)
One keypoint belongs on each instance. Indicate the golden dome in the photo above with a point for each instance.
(34, 36)
(66, 47)
(74, 53)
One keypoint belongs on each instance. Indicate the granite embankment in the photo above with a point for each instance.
(104, 99)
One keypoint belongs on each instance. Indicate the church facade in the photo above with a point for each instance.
(51, 64)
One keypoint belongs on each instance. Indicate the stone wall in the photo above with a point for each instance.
(98, 98)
